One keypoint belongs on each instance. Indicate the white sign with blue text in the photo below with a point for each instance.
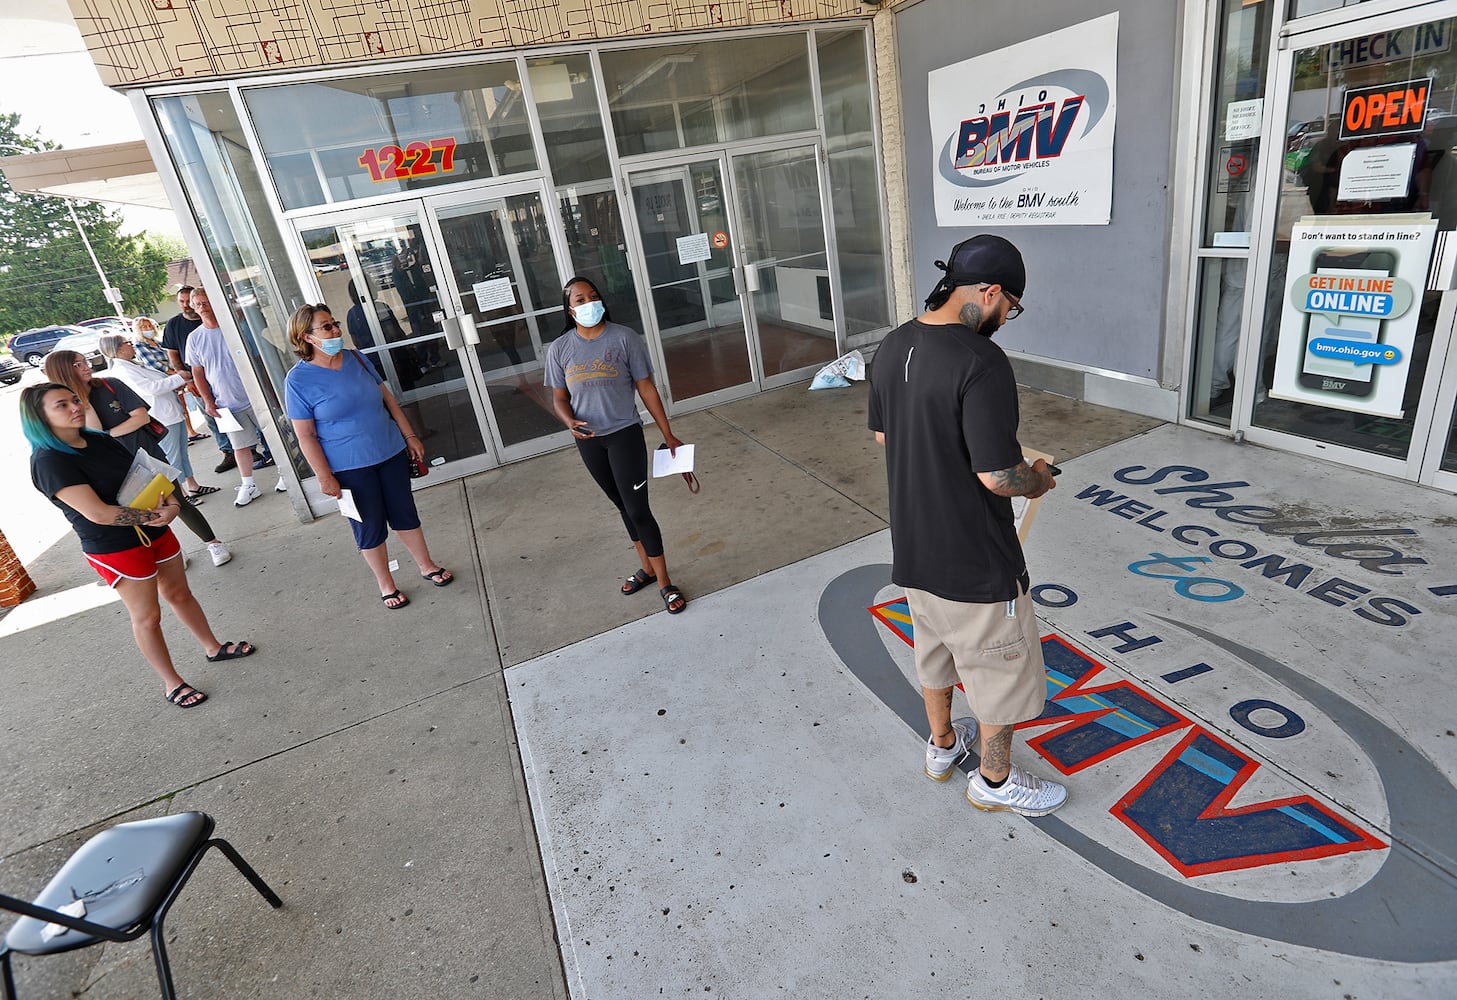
(1023, 136)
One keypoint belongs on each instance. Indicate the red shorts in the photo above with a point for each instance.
(139, 563)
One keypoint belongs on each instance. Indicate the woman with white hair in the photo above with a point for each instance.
(159, 392)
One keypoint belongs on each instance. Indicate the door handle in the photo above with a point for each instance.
(751, 277)
(468, 331)
(739, 281)
(450, 326)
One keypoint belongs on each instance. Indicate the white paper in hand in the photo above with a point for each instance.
(666, 464)
(347, 508)
(227, 423)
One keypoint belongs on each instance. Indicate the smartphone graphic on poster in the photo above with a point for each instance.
(1333, 374)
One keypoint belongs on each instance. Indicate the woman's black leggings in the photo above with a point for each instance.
(192, 517)
(619, 463)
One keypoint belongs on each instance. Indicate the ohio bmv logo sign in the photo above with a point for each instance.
(1024, 136)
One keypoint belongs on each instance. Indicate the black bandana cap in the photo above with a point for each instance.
(985, 260)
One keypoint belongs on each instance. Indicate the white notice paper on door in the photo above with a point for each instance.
(496, 293)
(693, 248)
(666, 464)
(227, 423)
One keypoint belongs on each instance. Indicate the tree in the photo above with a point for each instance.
(46, 276)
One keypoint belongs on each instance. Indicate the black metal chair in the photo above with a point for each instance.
(129, 877)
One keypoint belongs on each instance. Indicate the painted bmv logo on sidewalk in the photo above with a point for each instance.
(1180, 807)
(1024, 136)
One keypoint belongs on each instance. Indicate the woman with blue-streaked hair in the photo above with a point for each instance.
(81, 471)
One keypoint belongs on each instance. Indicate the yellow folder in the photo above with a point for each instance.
(151, 495)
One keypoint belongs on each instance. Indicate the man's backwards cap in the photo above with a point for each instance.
(984, 260)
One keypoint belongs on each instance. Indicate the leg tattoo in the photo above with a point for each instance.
(996, 758)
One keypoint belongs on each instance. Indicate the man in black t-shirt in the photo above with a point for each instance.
(943, 402)
(174, 342)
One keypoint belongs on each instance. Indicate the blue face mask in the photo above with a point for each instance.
(588, 314)
(331, 345)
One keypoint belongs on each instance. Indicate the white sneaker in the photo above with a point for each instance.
(1024, 794)
(941, 762)
(219, 553)
(246, 495)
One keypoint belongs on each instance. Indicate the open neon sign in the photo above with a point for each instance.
(391, 163)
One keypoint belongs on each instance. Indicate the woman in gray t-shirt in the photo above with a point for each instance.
(594, 370)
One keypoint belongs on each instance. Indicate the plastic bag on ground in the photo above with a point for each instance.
(837, 374)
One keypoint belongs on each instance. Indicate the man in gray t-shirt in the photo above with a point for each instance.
(601, 375)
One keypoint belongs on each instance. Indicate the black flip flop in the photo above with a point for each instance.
(439, 578)
(396, 596)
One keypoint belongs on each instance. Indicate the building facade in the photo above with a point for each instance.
(758, 187)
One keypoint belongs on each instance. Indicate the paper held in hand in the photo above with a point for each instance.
(665, 464)
(227, 423)
(1023, 509)
(147, 482)
(347, 507)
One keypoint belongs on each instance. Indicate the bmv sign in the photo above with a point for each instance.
(1024, 135)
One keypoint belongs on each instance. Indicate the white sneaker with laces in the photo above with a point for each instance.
(219, 553)
(246, 495)
(1024, 794)
(941, 762)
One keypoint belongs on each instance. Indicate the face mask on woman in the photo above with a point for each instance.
(331, 345)
(588, 314)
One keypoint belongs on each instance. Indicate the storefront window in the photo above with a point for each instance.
(338, 140)
(1349, 323)
(855, 186)
(565, 93)
(226, 193)
(1238, 109)
(1304, 8)
(678, 96)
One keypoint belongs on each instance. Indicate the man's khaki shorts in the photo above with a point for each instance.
(998, 659)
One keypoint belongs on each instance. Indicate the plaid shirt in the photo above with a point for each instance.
(151, 355)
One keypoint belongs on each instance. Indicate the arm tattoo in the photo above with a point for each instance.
(998, 756)
(1017, 481)
(128, 515)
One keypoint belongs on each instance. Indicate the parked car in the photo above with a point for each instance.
(86, 343)
(108, 324)
(11, 370)
(32, 346)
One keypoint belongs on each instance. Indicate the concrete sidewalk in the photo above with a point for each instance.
(367, 762)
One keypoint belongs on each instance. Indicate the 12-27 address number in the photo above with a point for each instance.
(391, 163)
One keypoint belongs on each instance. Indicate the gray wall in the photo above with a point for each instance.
(1095, 294)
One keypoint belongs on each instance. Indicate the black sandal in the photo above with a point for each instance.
(233, 651)
(396, 596)
(669, 594)
(637, 582)
(181, 694)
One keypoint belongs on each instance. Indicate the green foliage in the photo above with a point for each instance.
(46, 276)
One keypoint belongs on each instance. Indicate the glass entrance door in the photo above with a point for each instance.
(505, 282)
(787, 278)
(453, 301)
(379, 273)
(683, 225)
(741, 293)
(1356, 326)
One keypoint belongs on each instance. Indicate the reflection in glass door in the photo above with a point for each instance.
(507, 287)
(380, 277)
(682, 220)
(786, 268)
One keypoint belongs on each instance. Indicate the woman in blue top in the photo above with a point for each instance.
(354, 443)
(595, 369)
